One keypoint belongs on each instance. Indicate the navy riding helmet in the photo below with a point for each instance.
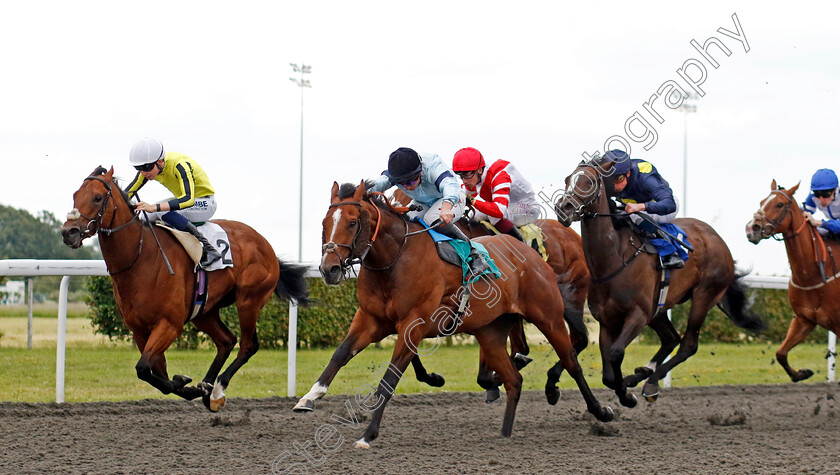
(404, 165)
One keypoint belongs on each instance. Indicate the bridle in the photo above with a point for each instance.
(353, 256)
(769, 227)
(94, 224)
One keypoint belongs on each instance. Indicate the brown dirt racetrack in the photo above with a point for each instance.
(790, 428)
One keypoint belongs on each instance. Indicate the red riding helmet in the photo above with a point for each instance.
(467, 159)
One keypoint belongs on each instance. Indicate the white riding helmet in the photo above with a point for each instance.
(146, 150)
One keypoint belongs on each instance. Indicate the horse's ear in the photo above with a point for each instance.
(334, 198)
(773, 185)
(360, 192)
(794, 188)
(110, 173)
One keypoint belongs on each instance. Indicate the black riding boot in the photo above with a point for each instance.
(477, 262)
(514, 231)
(672, 260)
(209, 254)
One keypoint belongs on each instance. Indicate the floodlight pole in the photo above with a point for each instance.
(302, 83)
(686, 108)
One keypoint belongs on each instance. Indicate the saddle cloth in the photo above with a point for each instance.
(531, 233)
(457, 252)
(214, 234)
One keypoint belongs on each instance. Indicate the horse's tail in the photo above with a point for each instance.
(735, 305)
(291, 284)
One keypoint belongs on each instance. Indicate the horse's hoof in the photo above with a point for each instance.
(206, 387)
(304, 405)
(216, 404)
(640, 374)
(435, 380)
(552, 395)
(629, 400)
(650, 391)
(606, 414)
(802, 375)
(520, 361)
(362, 444)
(180, 380)
(491, 395)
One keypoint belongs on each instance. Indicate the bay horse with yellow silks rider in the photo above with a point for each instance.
(405, 289)
(155, 302)
(625, 292)
(814, 287)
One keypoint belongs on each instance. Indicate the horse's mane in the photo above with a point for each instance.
(346, 190)
(100, 170)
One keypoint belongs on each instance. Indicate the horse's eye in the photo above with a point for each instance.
(779, 205)
(97, 198)
(352, 224)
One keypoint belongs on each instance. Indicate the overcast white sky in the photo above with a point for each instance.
(536, 83)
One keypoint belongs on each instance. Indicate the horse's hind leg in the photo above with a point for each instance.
(224, 339)
(248, 346)
(363, 331)
(701, 303)
(798, 330)
(669, 338)
(492, 339)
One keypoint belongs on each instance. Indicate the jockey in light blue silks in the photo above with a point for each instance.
(638, 184)
(430, 183)
(823, 197)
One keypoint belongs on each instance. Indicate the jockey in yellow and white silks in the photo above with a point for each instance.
(193, 198)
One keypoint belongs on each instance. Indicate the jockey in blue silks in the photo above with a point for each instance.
(639, 185)
(823, 197)
(432, 185)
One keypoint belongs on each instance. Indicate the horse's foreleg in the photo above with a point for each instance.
(407, 342)
(668, 340)
(798, 330)
(363, 331)
(152, 365)
(614, 356)
(492, 339)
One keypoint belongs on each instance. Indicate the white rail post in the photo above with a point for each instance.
(29, 321)
(832, 353)
(292, 346)
(61, 338)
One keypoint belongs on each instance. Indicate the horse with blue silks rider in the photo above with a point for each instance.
(823, 197)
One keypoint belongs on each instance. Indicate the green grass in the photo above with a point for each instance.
(44, 310)
(99, 370)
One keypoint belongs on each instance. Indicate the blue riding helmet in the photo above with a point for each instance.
(621, 159)
(824, 179)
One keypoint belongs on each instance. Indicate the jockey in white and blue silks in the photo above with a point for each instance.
(430, 183)
(643, 190)
(823, 197)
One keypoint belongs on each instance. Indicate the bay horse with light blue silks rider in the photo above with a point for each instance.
(814, 288)
(155, 303)
(624, 296)
(404, 288)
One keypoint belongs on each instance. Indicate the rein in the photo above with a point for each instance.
(94, 224)
(331, 246)
(591, 215)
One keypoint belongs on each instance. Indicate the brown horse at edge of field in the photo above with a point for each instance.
(141, 282)
(813, 296)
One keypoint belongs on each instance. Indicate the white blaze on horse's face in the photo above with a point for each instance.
(336, 219)
(583, 185)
